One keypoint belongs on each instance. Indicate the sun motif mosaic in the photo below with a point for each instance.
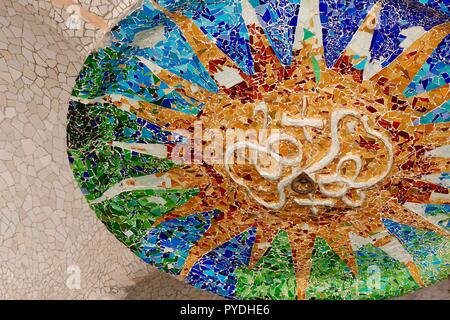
(341, 191)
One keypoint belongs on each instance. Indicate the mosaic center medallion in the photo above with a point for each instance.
(273, 149)
(320, 150)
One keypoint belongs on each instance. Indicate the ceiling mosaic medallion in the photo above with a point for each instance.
(273, 149)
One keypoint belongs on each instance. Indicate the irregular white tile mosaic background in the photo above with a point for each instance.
(46, 227)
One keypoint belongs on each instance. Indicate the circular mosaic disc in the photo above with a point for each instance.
(273, 149)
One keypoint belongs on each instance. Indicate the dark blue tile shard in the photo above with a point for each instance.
(167, 245)
(215, 271)
(279, 21)
(395, 17)
(340, 20)
(440, 5)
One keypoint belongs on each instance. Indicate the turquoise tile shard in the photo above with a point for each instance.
(439, 212)
(279, 21)
(178, 5)
(167, 47)
(438, 115)
(434, 73)
(441, 5)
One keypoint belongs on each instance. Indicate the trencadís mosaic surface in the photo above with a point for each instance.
(273, 149)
